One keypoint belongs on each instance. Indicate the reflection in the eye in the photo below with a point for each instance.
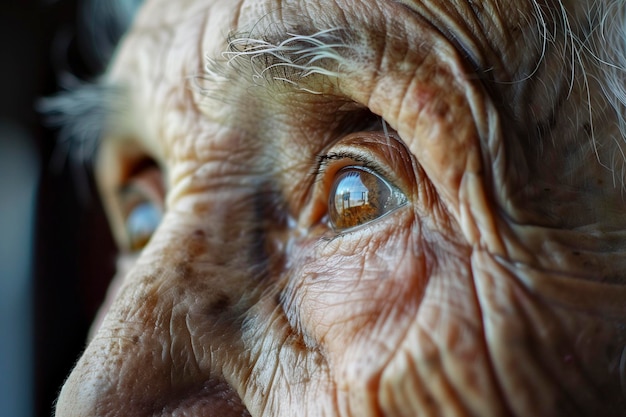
(359, 196)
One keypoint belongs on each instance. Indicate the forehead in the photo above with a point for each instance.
(163, 60)
(179, 79)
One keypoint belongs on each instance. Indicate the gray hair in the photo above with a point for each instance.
(80, 109)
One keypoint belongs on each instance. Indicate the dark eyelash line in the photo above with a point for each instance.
(324, 159)
(365, 161)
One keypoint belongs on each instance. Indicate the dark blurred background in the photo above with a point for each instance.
(56, 254)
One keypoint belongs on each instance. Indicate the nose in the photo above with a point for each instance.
(160, 348)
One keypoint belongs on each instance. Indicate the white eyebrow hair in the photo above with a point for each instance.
(83, 113)
(289, 61)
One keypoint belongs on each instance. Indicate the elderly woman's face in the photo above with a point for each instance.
(363, 208)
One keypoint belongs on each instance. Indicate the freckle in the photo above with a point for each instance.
(118, 362)
(318, 359)
(183, 271)
(296, 342)
(199, 208)
(441, 109)
(222, 302)
(149, 279)
(312, 276)
(197, 243)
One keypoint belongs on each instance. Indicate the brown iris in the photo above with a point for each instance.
(359, 196)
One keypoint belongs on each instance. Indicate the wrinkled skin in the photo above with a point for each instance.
(497, 290)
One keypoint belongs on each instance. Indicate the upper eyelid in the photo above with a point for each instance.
(136, 168)
(361, 158)
(130, 195)
(127, 189)
(325, 159)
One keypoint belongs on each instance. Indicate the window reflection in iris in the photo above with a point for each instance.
(358, 196)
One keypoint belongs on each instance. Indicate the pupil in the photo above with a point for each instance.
(357, 197)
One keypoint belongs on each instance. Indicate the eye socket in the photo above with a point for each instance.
(359, 196)
(140, 202)
(141, 223)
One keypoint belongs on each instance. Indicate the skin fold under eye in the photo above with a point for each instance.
(359, 196)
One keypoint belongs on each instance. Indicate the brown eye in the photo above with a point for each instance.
(359, 196)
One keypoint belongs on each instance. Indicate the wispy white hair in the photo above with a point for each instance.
(288, 61)
(591, 36)
(81, 110)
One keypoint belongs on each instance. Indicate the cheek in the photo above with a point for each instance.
(358, 292)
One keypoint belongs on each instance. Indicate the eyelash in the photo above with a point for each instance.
(324, 160)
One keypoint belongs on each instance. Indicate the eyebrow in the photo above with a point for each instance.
(86, 111)
(83, 113)
(292, 60)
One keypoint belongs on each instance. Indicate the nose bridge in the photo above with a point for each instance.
(164, 334)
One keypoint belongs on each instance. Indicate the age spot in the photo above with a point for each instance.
(221, 302)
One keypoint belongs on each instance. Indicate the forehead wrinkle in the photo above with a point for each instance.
(273, 71)
(257, 75)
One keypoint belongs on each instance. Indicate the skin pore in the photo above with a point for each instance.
(491, 284)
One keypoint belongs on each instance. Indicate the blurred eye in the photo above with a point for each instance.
(359, 196)
(141, 223)
(141, 204)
